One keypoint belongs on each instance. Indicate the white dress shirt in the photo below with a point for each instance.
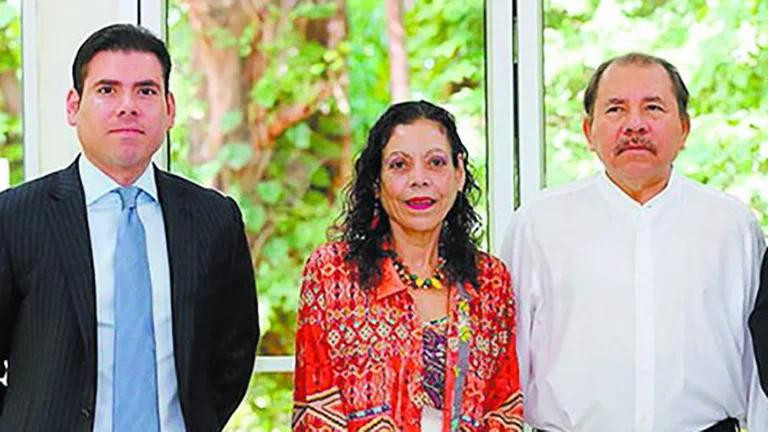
(104, 207)
(634, 317)
(431, 420)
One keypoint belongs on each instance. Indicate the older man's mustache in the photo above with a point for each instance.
(634, 143)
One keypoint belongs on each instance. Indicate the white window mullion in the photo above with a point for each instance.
(128, 11)
(530, 100)
(500, 96)
(151, 14)
(29, 80)
(274, 364)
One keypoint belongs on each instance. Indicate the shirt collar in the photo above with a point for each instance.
(390, 283)
(617, 196)
(96, 183)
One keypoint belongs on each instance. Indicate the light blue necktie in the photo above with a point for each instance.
(135, 378)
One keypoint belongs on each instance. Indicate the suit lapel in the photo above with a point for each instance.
(182, 253)
(67, 218)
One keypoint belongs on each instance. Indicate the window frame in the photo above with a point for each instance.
(515, 131)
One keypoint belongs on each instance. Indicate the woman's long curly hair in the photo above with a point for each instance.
(458, 235)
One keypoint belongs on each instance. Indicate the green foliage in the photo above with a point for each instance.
(267, 396)
(286, 78)
(446, 53)
(10, 63)
(314, 11)
(447, 49)
(367, 65)
(719, 47)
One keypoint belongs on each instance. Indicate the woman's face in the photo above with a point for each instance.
(419, 181)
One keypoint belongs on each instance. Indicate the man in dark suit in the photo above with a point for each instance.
(127, 298)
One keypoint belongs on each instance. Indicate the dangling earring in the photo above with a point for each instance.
(375, 218)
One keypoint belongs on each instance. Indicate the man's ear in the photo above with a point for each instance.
(170, 102)
(686, 126)
(586, 129)
(73, 105)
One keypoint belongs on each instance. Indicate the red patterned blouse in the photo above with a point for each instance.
(359, 363)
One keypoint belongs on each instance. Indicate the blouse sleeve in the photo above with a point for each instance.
(504, 401)
(317, 400)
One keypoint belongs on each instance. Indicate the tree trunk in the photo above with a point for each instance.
(10, 93)
(337, 29)
(398, 56)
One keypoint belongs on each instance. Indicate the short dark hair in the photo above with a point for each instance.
(119, 37)
(678, 86)
(365, 238)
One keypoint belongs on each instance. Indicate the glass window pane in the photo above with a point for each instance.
(720, 49)
(275, 101)
(11, 148)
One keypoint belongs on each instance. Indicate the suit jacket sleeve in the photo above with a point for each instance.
(238, 330)
(758, 326)
(756, 353)
(8, 297)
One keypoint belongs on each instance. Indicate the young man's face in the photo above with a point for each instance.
(123, 113)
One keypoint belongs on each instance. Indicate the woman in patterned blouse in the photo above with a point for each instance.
(404, 325)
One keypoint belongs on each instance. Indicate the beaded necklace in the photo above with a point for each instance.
(413, 280)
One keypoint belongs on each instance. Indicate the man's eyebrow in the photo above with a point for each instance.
(106, 82)
(147, 83)
(652, 99)
(142, 83)
(618, 100)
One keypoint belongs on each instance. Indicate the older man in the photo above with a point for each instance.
(634, 286)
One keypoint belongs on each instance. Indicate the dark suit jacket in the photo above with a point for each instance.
(758, 326)
(48, 308)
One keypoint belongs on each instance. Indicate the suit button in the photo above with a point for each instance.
(86, 413)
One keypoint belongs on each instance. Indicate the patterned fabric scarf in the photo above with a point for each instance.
(434, 342)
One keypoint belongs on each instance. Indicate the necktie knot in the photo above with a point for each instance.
(128, 196)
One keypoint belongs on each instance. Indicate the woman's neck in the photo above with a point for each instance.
(418, 251)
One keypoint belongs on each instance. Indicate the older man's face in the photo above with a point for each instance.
(636, 129)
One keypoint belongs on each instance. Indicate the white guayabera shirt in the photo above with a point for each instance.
(634, 317)
(431, 420)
